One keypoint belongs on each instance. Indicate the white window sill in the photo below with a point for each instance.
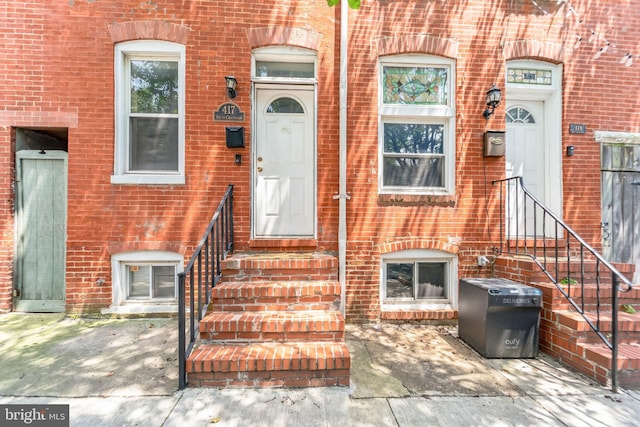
(418, 306)
(148, 179)
(142, 308)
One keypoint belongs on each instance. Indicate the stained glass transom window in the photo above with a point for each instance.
(529, 76)
(285, 105)
(415, 85)
(519, 115)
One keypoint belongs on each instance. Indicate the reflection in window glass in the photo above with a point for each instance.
(164, 281)
(405, 138)
(413, 172)
(154, 87)
(151, 281)
(431, 280)
(153, 144)
(285, 105)
(413, 155)
(139, 281)
(303, 70)
(400, 280)
(416, 280)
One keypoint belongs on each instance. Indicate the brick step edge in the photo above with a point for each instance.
(590, 290)
(276, 296)
(626, 322)
(292, 356)
(271, 289)
(281, 326)
(280, 261)
(628, 355)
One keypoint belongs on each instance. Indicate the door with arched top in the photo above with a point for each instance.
(527, 156)
(284, 162)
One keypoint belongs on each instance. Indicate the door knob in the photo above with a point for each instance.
(259, 168)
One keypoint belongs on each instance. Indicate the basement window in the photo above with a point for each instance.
(418, 279)
(145, 282)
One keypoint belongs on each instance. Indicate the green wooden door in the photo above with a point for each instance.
(41, 223)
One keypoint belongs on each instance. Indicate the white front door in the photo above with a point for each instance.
(527, 156)
(284, 162)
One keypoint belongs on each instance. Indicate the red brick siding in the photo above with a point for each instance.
(486, 35)
(58, 71)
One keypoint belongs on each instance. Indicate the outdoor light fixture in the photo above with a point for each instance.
(231, 86)
(493, 99)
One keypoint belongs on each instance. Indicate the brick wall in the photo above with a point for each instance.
(486, 34)
(59, 72)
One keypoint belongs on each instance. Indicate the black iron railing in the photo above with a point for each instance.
(200, 275)
(528, 228)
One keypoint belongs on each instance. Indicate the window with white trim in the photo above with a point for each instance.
(149, 105)
(145, 281)
(418, 278)
(417, 125)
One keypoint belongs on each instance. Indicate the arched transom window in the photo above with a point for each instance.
(285, 105)
(519, 115)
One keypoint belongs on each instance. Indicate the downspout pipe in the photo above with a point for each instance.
(342, 195)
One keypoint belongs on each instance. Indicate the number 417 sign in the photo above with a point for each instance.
(228, 112)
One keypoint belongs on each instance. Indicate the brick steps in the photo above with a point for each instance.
(586, 273)
(308, 364)
(566, 335)
(573, 320)
(280, 295)
(273, 322)
(267, 326)
(280, 266)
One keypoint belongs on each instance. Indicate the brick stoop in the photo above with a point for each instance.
(566, 335)
(273, 322)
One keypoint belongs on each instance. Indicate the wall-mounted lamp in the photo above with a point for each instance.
(493, 99)
(231, 86)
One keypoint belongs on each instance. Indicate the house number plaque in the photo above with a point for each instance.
(228, 112)
(577, 128)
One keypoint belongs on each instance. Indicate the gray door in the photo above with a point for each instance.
(621, 203)
(41, 222)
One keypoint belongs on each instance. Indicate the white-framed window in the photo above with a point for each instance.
(416, 125)
(145, 281)
(418, 279)
(149, 105)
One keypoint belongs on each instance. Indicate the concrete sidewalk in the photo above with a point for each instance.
(124, 373)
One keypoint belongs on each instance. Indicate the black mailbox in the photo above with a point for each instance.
(235, 137)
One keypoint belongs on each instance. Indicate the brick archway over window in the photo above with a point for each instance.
(283, 36)
(415, 43)
(149, 30)
(533, 49)
(402, 245)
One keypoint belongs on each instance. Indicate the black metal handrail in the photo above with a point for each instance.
(526, 225)
(200, 276)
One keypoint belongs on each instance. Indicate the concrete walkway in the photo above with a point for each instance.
(124, 373)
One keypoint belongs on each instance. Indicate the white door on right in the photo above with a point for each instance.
(526, 156)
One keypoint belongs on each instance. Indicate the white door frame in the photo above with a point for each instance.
(551, 96)
(254, 147)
